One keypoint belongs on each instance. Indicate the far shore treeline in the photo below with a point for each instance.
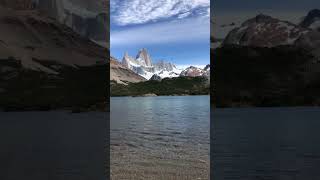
(165, 87)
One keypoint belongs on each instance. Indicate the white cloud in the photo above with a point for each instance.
(187, 30)
(183, 15)
(143, 11)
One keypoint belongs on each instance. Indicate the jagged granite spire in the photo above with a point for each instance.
(126, 59)
(143, 66)
(144, 57)
(312, 20)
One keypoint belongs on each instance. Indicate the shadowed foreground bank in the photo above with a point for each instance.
(54, 146)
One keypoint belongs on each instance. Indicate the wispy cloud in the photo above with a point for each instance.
(187, 30)
(142, 11)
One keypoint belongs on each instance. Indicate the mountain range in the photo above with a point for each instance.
(45, 64)
(143, 66)
(268, 62)
(266, 31)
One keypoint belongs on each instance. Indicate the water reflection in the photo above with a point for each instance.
(53, 146)
(265, 143)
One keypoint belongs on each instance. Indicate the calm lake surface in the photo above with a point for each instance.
(160, 137)
(53, 145)
(265, 143)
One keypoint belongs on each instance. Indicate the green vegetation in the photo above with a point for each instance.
(166, 87)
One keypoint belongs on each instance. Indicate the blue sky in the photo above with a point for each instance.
(173, 30)
(276, 5)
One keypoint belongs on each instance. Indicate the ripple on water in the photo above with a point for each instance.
(172, 138)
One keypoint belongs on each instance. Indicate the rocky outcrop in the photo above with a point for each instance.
(88, 18)
(144, 58)
(311, 40)
(312, 20)
(207, 70)
(126, 60)
(46, 65)
(264, 31)
(195, 71)
(155, 78)
(98, 27)
(164, 66)
(121, 74)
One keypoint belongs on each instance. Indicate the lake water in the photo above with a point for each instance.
(160, 137)
(265, 143)
(53, 145)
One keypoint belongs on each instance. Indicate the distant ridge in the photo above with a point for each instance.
(264, 31)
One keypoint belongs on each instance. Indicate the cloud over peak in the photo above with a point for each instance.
(127, 12)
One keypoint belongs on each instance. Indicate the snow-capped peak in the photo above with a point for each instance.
(264, 31)
(196, 71)
(143, 66)
(144, 58)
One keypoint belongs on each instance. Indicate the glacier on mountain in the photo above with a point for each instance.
(143, 66)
